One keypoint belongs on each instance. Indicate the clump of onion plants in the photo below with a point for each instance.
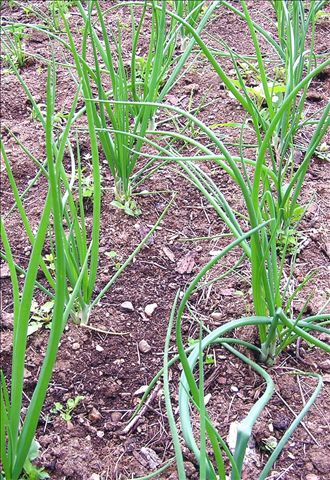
(270, 184)
(18, 430)
(189, 10)
(69, 272)
(147, 77)
(13, 49)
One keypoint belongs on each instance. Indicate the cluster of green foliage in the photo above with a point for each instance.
(120, 121)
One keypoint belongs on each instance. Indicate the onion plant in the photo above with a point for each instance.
(146, 80)
(270, 185)
(12, 45)
(273, 187)
(81, 243)
(17, 431)
(75, 254)
(190, 10)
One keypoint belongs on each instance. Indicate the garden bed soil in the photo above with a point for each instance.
(107, 369)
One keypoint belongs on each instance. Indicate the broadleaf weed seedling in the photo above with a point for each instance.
(114, 259)
(42, 315)
(66, 411)
(31, 472)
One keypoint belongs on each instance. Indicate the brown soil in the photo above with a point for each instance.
(108, 377)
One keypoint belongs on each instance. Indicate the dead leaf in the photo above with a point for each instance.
(168, 252)
(186, 263)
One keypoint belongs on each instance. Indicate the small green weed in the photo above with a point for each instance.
(31, 472)
(129, 206)
(65, 411)
(58, 8)
(269, 444)
(87, 184)
(41, 316)
(50, 261)
(113, 256)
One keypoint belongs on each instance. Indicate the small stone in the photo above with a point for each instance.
(100, 433)
(127, 307)
(232, 435)
(141, 390)
(27, 373)
(216, 316)
(214, 253)
(207, 398)
(94, 415)
(234, 389)
(115, 417)
(144, 346)
(4, 271)
(311, 476)
(94, 476)
(149, 310)
(98, 348)
(75, 346)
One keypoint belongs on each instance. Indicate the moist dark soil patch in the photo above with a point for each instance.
(107, 369)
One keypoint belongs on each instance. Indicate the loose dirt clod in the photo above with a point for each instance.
(115, 417)
(94, 415)
(7, 320)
